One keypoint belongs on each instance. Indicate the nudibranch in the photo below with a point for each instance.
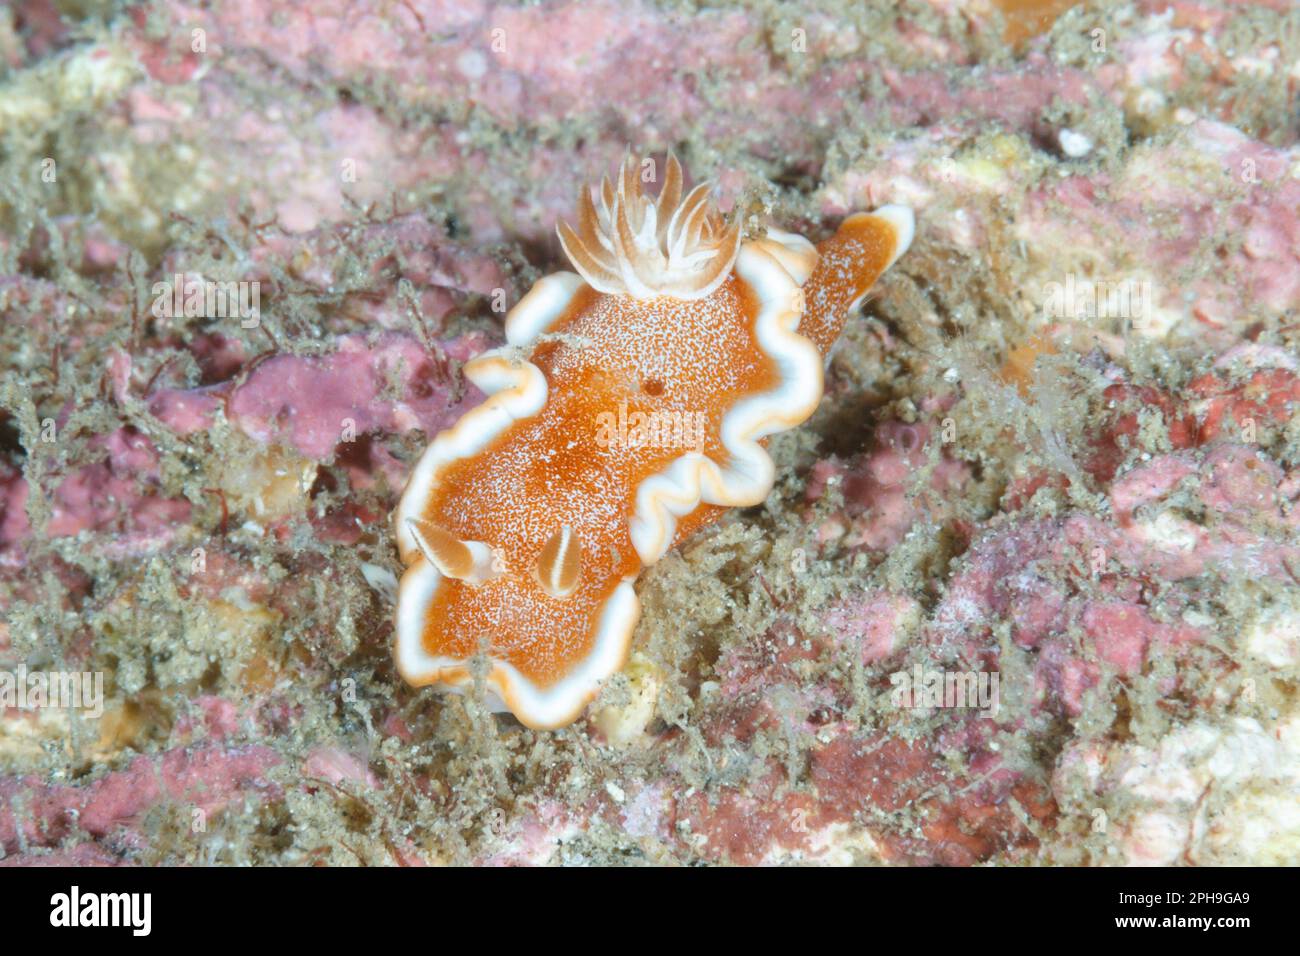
(629, 407)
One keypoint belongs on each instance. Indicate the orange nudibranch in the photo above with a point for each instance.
(631, 403)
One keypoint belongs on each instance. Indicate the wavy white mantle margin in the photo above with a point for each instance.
(694, 478)
(542, 708)
(516, 390)
(774, 267)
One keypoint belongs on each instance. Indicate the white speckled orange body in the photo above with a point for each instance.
(630, 407)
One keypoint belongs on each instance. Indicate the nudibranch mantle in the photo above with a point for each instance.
(630, 405)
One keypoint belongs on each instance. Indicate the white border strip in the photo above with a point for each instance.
(694, 478)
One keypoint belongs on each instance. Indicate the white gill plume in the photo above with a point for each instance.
(636, 246)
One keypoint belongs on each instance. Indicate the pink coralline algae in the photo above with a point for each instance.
(880, 501)
(120, 493)
(1217, 180)
(33, 814)
(310, 403)
(1057, 457)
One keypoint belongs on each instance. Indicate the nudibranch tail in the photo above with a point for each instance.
(848, 265)
(633, 403)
